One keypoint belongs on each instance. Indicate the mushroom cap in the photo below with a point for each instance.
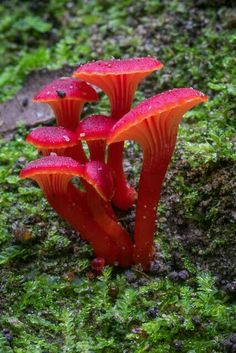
(153, 106)
(100, 176)
(52, 137)
(97, 174)
(52, 165)
(66, 88)
(118, 66)
(95, 127)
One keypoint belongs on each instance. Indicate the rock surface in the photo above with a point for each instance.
(21, 108)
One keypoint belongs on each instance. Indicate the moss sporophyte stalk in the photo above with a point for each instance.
(153, 124)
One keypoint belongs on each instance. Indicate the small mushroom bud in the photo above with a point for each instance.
(97, 265)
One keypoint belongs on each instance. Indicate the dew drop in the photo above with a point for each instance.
(66, 138)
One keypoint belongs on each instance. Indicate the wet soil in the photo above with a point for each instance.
(207, 235)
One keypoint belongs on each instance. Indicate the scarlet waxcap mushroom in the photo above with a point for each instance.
(57, 139)
(153, 124)
(66, 96)
(119, 80)
(95, 129)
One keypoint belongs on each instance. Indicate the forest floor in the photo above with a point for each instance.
(186, 303)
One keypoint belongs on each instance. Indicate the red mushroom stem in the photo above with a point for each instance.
(151, 180)
(76, 212)
(102, 214)
(125, 195)
(97, 150)
(67, 112)
(102, 210)
(73, 209)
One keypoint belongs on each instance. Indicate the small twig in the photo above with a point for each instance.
(142, 273)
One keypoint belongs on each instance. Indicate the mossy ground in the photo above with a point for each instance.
(47, 302)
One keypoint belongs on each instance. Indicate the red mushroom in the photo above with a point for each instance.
(66, 96)
(153, 124)
(95, 129)
(53, 174)
(56, 139)
(119, 80)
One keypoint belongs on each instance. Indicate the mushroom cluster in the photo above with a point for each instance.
(153, 124)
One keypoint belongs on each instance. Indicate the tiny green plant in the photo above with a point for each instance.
(153, 124)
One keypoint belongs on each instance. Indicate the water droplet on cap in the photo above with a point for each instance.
(66, 138)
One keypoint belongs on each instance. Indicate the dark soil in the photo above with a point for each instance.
(206, 235)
